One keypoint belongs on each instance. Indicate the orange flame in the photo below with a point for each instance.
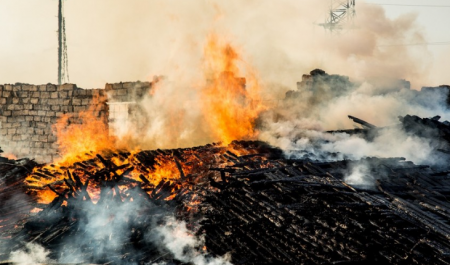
(46, 196)
(9, 156)
(55, 176)
(77, 140)
(231, 104)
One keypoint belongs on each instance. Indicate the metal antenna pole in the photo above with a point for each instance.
(63, 63)
(60, 40)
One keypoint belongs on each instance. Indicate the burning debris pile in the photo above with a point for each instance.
(245, 201)
(114, 201)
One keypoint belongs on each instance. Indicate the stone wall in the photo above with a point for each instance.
(28, 113)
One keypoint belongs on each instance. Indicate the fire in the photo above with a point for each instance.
(9, 156)
(49, 181)
(156, 172)
(46, 196)
(89, 155)
(165, 169)
(231, 104)
(79, 137)
(87, 150)
(78, 141)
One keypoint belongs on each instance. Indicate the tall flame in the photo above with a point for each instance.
(231, 104)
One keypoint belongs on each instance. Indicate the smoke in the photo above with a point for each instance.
(277, 41)
(298, 125)
(116, 42)
(31, 254)
(170, 117)
(179, 241)
(125, 229)
(218, 106)
(391, 142)
(360, 177)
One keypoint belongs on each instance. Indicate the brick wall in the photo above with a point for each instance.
(28, 112)
(127, 92)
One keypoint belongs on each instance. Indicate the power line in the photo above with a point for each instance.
(381, 4)
(416, 44)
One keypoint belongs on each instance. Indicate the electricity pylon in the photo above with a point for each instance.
(341, 12)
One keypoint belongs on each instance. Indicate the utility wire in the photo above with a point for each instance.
(381, 4)
(417, 44)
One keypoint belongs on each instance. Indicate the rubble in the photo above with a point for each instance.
(302, 212)
(12, 189)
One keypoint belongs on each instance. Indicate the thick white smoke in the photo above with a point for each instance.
(31, 254)
(174, 237)
(298, 125)
(103, 232)
(279, 40)
(360, 176)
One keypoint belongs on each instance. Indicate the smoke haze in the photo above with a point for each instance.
(110, 41)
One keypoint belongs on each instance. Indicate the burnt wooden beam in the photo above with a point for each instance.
(362, 122)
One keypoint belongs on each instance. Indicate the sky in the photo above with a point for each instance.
(434, 18)
(116, 40)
